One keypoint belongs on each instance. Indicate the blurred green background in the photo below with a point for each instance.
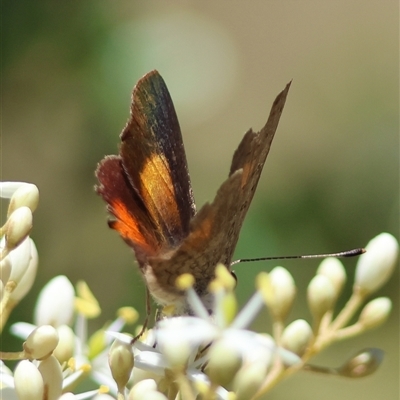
(331, 181)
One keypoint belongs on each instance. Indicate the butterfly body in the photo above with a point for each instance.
(148, 192)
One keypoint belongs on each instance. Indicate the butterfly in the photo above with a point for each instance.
(149, 195)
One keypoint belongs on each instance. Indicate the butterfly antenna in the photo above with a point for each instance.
(340, 254)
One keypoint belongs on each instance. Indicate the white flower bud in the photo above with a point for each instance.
(333, 269)
(375, 267)
(248, 380)
(26, 195)
(41, 342)
(321, 295)
(177, 353)
(5, 269)
(55, 305)
(65, 348)
(297, 336)
(20, 258)
(284, 292)
(139, 375)
(19, 225)
(27, 280)
(139, 391)
(50, 370)
(376, 312)
(120, 359)
(28, 381)
(223, 363)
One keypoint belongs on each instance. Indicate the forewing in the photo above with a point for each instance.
(154, 159)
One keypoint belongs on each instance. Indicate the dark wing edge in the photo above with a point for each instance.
(154, 159)
(250, 157)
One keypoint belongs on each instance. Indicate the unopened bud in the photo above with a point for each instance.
(139, 391)
(26, 195)
(19, 225)
(177, 353)
(376, 312)
(320, 295)
(375, 267)
(28, 381)
(41, 342)
(297, 336)
(5, 269)
(283, 292)
(1, 290)
(223, 363)
(120, 359)
(65, 348)
(20, 258)
(333, 269)
(50, 370)
(248, 380)
(25, 283)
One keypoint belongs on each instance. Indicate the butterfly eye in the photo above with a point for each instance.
(234, 277)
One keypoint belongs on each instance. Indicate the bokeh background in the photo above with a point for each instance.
(330, 182)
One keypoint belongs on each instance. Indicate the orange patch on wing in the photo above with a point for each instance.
(129, 228)
(159, 195)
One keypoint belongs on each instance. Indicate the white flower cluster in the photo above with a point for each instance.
(18, 255)
(212, 356)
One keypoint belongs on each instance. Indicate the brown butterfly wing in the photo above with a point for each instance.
(147, 187)
(250, 157)
(131, 217)
(154, 159)
(214, 231)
